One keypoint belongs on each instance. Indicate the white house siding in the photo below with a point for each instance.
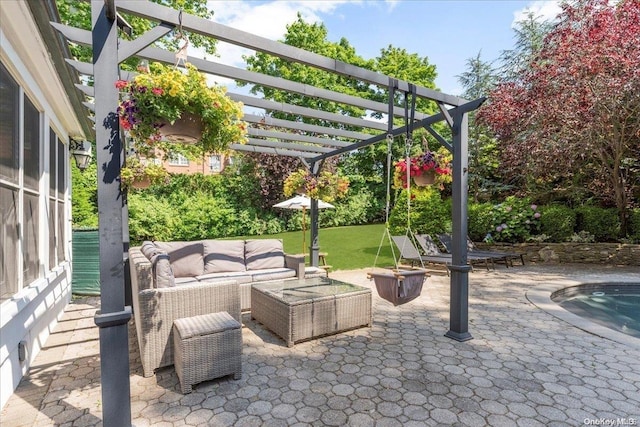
(32, 303)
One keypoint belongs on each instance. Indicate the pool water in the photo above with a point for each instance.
(613, 305)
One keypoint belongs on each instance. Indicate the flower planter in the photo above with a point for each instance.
(141, 183)
(425, 178)
(186, 130)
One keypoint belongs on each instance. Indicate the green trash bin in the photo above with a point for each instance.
(86, 262)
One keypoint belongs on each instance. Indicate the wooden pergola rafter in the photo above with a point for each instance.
(311, 143)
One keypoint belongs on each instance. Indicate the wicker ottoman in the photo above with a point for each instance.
(207, 347)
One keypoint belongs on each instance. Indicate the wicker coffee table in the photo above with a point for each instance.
(298, 310)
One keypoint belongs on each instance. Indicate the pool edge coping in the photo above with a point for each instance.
(540, 296)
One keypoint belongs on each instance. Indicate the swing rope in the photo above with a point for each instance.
(398, 286)
(409, 117)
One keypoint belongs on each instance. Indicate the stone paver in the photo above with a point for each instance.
(524, 367)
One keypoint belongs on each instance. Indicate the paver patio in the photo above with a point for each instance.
(524, 367)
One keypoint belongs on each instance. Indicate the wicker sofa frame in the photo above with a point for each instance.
(155, 310)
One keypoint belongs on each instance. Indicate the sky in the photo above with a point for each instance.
(447, 32)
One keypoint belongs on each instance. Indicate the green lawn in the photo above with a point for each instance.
(347, 248)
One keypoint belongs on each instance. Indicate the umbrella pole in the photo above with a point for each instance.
(304, 229)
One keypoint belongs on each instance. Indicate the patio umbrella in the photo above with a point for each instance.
(302, 203)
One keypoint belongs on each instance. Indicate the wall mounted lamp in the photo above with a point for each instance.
(81, 152)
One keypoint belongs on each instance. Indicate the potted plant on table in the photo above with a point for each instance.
(326, 186)
(161, 96)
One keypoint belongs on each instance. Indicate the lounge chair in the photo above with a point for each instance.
(431, 249)
(409, 252)
(507, 257)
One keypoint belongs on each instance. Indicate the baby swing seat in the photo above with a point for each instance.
(399, 286)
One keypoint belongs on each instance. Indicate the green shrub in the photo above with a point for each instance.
(151, 218)
(352, 210)
(430, 214)
(480, 222)
(558, 222)
(515, 220)
(603, 223)
(634, 225)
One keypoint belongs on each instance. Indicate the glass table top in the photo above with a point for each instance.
(300, 290)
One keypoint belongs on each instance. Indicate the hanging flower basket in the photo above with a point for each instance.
(425, 178)
(141, 174)
(155, 101)
(425, 169)
(141, 182)
(185, 130)
(327, 186)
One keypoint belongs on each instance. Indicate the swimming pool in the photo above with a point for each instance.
(613, 305)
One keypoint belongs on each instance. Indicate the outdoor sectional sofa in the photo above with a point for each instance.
(173, 280)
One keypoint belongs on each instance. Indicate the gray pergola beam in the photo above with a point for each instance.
(228, 71)
(301, 126)
(306, 112)
(298, 138)
(129, 48)
(81, 36)
(268, 150)
(288, 146)
(226, 34)
(425, 123)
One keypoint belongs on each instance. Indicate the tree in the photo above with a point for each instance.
(530, 34)
(479, 79)
(573, 117)
(313, 38)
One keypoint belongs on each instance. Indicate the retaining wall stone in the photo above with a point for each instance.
(564, 253)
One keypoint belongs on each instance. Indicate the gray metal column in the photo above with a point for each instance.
(114, 316)
(459, 285)
(314, 249)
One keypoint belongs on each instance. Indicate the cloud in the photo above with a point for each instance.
(267, 19)
(548, 10)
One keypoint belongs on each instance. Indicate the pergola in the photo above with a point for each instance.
(310, 143)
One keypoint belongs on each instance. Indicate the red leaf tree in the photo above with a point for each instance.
(572, 119)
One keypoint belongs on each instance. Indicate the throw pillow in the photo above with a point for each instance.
(265, 253)
(186, 257)
(221, 256)
(162, 274)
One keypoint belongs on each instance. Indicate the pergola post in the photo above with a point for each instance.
(113, 317)
(459, 284)
(314, 248)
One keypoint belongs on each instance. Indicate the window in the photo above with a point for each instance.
(215, 164)
(178, 160)
(9, 126)
(21, 200)
(55, 209)
(9, 177)
(31, 145)
(8, 242)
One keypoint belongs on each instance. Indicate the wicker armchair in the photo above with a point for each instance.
(155, 309)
